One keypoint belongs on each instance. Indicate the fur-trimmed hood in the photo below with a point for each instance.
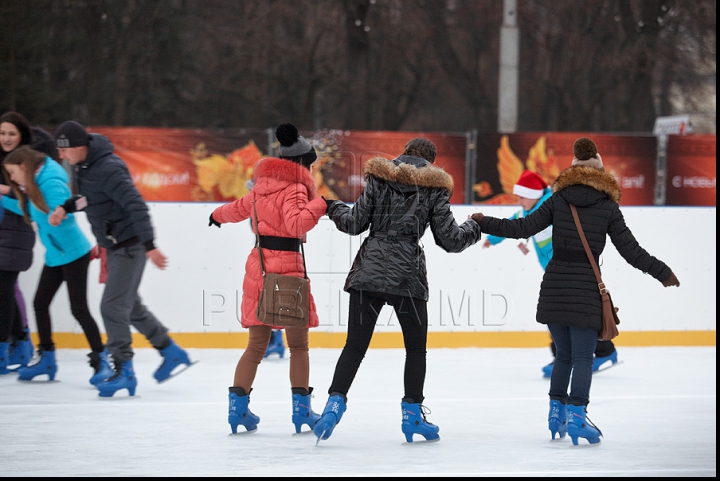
(274, 169)
(409, 170)
(597, 179)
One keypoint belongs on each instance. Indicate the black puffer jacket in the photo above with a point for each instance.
(569, 292)
(116, 210)
(400, 200)
(17, 240)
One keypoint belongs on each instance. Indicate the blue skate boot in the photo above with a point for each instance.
(331, 416)
(547, 370)
(581, 427)
(21, 352)
(276, 344)
(173, 356)
(599, 361)
(557, 419)
(45, 365)
(4, 357)
(124, 378)
(99, 362)
(414, 421)
(302, 412)
(239, 413)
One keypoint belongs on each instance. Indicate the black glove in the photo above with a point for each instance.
(328, 202)
(477, 217)
(671, 281)
(214, 222)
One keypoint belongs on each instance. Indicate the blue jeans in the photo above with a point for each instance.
(574, 358)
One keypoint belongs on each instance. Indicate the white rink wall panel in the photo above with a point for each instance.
(479, 290)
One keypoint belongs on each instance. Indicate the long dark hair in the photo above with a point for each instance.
(30, 160)
(23, 127)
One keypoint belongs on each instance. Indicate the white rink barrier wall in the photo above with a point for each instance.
(480, 297)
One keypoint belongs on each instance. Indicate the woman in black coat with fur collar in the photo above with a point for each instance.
(569, 301)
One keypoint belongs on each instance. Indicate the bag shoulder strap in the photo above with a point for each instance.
(260, 253)
(589, 253)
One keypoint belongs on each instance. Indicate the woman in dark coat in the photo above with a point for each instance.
(402, 198)
(569, 300)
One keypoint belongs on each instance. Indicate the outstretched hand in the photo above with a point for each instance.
(671, 281)
(157, 258)
(327, 202)
(57, 216)
(213, 222)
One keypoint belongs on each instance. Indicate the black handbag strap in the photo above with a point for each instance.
(589, 253)
(260, 252)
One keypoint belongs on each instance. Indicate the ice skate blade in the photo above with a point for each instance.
(242, 433)
(423, 441)
(320, 437)
(605, 367)
(118, 398)
(585, 445)
(38, 381)
(304, 433)
(179, 371)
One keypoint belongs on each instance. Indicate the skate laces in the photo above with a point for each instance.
(423, 411)
(587, 420)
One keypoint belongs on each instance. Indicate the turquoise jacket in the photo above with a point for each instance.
(65, 243)
(542, 240)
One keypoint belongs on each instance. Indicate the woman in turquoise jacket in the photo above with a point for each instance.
(40, 185)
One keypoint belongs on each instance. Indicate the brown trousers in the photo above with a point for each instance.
(297, 340)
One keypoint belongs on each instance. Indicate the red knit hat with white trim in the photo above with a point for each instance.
(530, 185)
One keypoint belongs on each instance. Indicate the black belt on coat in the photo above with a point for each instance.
(573, 256)
(394, 236)
(280, 243)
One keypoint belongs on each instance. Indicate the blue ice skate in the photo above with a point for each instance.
(45, 365)
(302, 412)
(557, 419)
(599, 361)
(4, 357)
(239, 413)
(581, 427)
(99, 362)
(414, 421)
(173, 356)
(276, 345)
(21, 352)
(547, 370)
(124, 378)
(331, 416)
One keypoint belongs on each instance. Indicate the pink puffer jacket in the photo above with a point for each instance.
(287, 206)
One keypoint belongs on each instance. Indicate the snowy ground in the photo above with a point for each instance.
(657, 411)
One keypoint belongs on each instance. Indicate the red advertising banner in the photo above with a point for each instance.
(342, 155)
(186, 165)
(691, 163)
(502, 158)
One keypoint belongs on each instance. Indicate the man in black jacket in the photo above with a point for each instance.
(121, 224)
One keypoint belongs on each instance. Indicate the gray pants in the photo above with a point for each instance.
(121, 306)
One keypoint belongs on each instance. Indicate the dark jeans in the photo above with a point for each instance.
(603, 348)
(74, 275)
(574, 358)
(10, 315)
(364, 311)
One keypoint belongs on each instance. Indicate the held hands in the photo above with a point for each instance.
(214, 222)
(328, 203)
(477, 217)
(57, 216)
(671, 281)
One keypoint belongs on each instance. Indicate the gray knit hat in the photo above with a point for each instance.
(586, 154)
(293, 146)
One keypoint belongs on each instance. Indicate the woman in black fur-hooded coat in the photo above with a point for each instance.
(570, 302)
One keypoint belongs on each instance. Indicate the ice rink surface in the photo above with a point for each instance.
(656, 409)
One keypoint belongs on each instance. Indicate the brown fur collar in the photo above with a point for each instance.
(428, 176)
(287, 171)
(597, 179)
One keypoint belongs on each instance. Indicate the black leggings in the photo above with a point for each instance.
(10, 315)
(364, 311)
(51, 278)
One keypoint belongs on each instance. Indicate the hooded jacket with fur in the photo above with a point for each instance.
(569, 293)
(401, 199)
(287, 205)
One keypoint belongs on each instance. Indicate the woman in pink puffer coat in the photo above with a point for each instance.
(287, 206)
